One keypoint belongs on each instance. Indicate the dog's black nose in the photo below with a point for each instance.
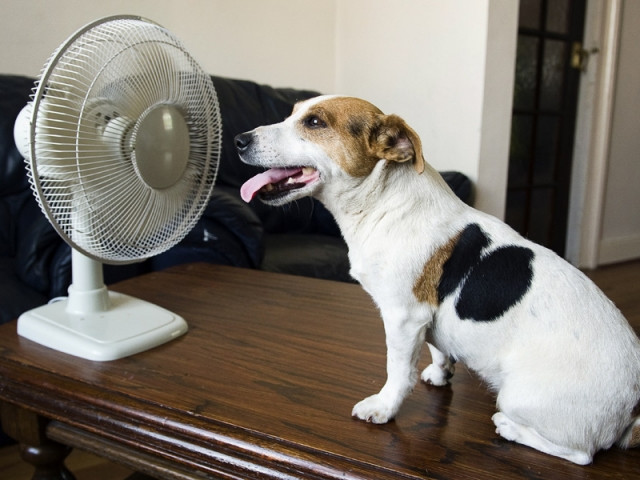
(243, 141)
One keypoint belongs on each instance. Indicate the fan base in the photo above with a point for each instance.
(129, 326)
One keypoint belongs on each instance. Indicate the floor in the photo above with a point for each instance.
(620, 282)
(83, 465)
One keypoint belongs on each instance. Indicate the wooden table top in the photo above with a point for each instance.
(263, 384)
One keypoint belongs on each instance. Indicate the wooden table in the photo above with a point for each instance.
(261, 386)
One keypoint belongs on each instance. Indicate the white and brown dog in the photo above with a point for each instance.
(564, 362)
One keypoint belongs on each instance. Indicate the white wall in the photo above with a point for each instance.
(446, 66)
(423, 60)
(439, 65)
(620, 237)
(262, 40)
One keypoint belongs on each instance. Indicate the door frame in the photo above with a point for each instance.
(593, 133)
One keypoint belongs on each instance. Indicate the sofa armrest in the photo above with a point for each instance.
(460, 184)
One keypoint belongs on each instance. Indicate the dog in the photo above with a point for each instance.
(563, 361)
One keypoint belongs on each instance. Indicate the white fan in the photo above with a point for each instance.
(122, 142)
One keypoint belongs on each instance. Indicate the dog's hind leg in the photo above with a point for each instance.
(440, 370)
(404, 341)
(507, 428)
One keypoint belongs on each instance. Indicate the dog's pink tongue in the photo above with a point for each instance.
(252, 186)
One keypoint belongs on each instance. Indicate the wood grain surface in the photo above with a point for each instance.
(262, 386)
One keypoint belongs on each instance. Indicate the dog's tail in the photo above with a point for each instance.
(631, 437)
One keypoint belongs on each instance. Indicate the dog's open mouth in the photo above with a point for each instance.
(277, 182)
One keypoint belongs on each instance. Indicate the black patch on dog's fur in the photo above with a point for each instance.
(356, 127)
(496, 284)
(492, 284)
(465, 255)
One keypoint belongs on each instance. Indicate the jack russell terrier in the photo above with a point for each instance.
(562, 359)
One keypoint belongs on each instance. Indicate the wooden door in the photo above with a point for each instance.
(548, 68)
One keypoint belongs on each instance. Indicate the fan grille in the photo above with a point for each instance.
(87, 108)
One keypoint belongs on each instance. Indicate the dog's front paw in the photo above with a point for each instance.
(374, 409)
(436, 375)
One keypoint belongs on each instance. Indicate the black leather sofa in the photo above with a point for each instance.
(301, 238)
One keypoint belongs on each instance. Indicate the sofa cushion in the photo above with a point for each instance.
(228, 233)
(15, 298)
(310, 255)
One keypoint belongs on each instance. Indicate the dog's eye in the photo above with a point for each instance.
(312, 121)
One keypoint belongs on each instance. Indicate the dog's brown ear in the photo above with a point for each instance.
(395, 141)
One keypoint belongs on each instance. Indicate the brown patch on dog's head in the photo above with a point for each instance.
(357, 135)
(425, 289)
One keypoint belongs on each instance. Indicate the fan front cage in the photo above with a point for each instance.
(88, 106)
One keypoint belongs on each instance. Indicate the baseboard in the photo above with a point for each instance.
(619, 249)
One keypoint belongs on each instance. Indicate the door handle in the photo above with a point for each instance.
(580, 56)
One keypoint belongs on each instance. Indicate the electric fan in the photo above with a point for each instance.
(122, 141)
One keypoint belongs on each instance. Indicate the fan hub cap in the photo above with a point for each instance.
(161, 146)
